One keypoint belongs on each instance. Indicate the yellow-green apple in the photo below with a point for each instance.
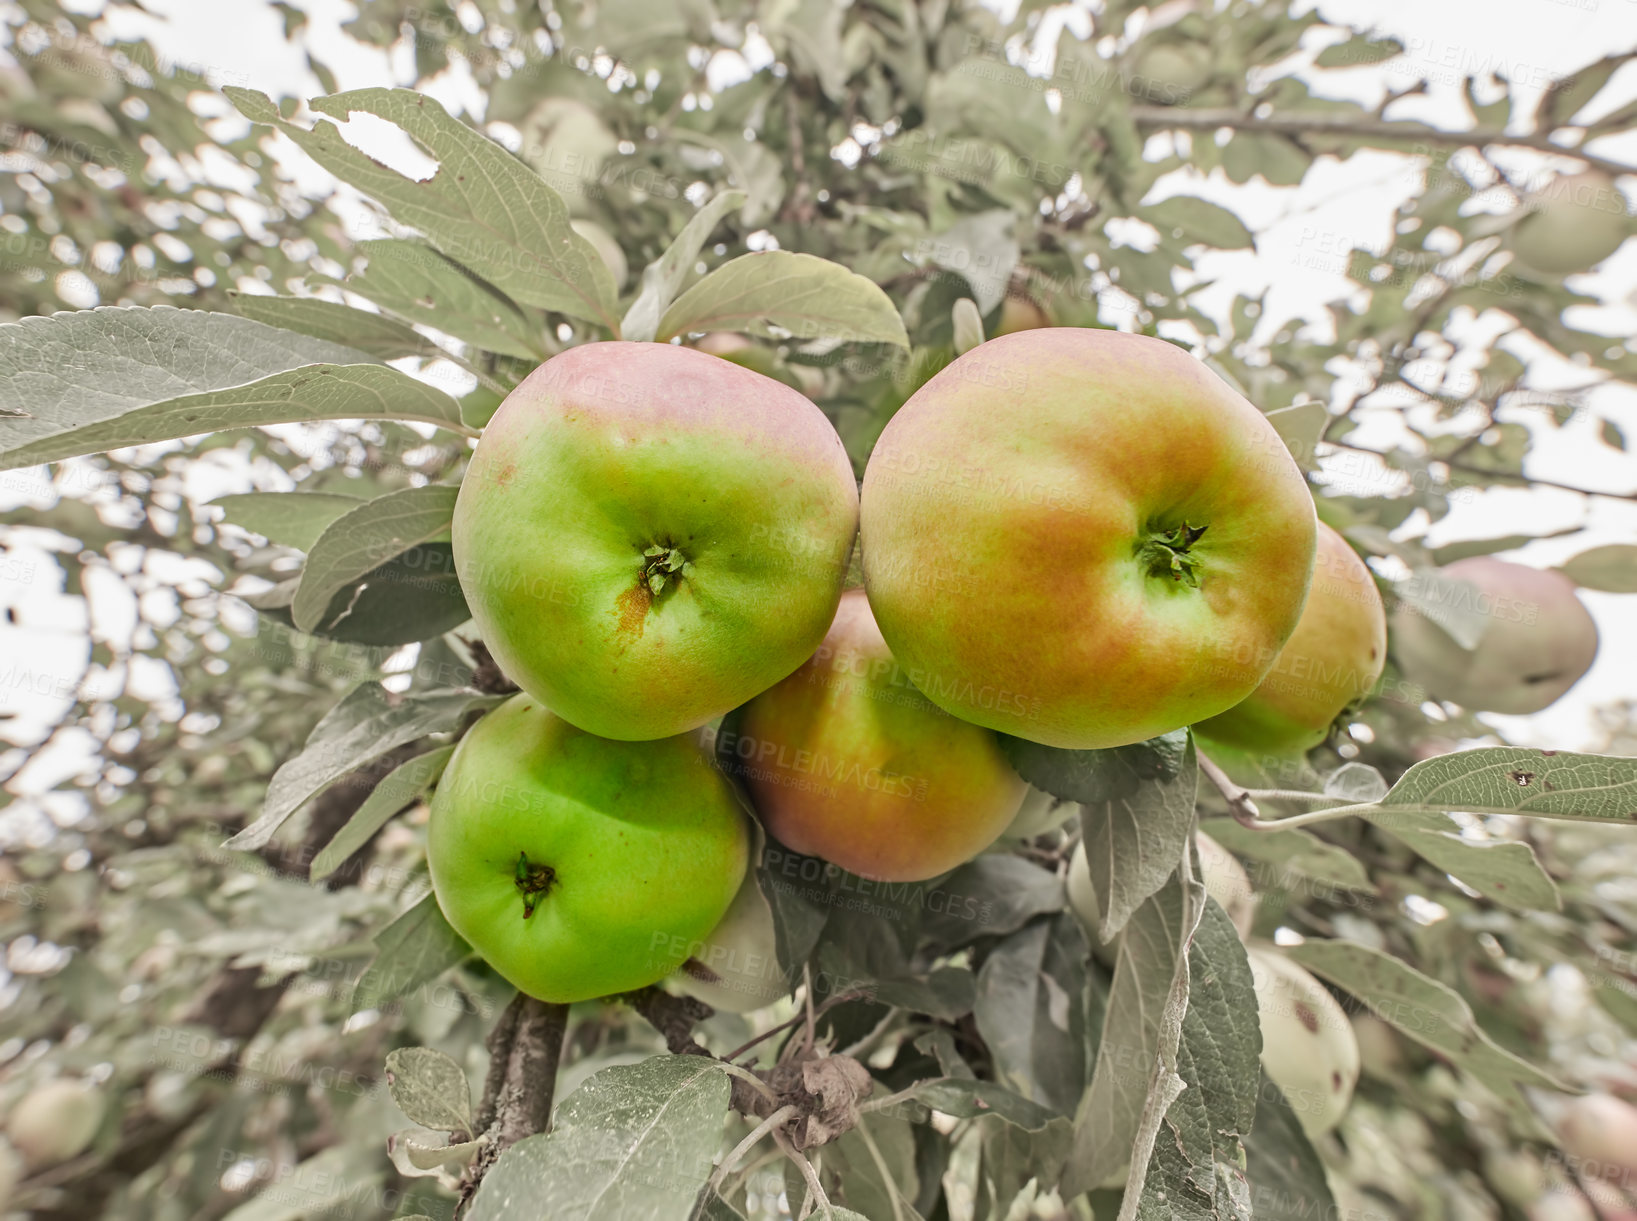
(1537, 639)
(846, 760)
(1020, 313)
(648, 536)
(1308, 1048)
(735, 966)
(1084, 538)
(1169, 73)
(1332, 661)
(1040, 812)
(55, 1121)
(580, 866)
(1600, 1131)
(1224, 877)
(1572, 223)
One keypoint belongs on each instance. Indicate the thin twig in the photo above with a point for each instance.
(1240, 805)
(815, 1189)
(746, 1145)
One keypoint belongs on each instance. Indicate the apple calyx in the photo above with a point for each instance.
(1165, 554)
(533, 882)
(662, 565)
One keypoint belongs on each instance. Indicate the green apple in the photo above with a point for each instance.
(846, 760)
(1308, 1048)
(1169, 73)
(578, 866)
(55, 1121)
(1573, 223)
(1040, 812)
(1084, 538)
(1538, 638)
(1331, 662)
(648, 536)
(735, 967)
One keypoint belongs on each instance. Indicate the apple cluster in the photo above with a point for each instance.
(1078, 537)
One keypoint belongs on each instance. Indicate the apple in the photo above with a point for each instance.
(1380, 1053)
(1084, 538)
(1564, 1203)
(1573, 223)
(1168, 73)
(1331, 662)
(1600, 1131)
(846, 760)
(735, 967)
(1515, 1176)
(648, 536)
(1019, 313)
(1308, 1048)
(1040, 812)
(1538, 639)
(1224, 877)
(579, 866)
(55, 1121)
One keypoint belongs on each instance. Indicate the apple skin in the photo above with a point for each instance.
(847, 761)
(1021, 522)
(1332, 661)
(1020, 314)
(737, 484)
(1224, 877)
(735, 967)
(55, 1121)
(645, 844)
(1601, 1129)
(1308, 1048)
(1169, 73)
(1537, 643)
(1574, 223)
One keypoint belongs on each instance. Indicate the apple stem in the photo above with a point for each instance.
(1165, 553)
(533, 881)
(661, 565)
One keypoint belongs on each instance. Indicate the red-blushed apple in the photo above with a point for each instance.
(846, 760)
(1331, 662)
(648, 536)
(1084, 538)
(1538, 638)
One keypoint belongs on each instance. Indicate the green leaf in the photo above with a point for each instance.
(105, 378)
(663, 278)
(415, 282)
(1611, 568)
(483, 207)
(1357, 51)
(397, 789)
(634, 1143)
(981, 248)
(1449, 602)
(1196, 1168)
(1133, 1079)
(777, 294)
(1199, 221)
(968, 1098)
(1091, 776)
(373, 334)
(1030, 1011)
(1275, 157)
(998, 894)
(413, 950)
(1506, 871)
(431, 1089)
(1293, 850)
(1568, 96)
(366, 537)
(1429, 1012)
(1287, 1178)
(1451, 552)
(1515, 780)
(362, 727)
(331, 1183)
(1133, 843)
(412, 597)
(293, 519)
(1300, 428)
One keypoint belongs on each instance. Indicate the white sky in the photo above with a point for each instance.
(1302, 235)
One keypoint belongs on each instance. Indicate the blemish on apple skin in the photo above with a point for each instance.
(506, 474)
(1307, 1018)
(633, 605)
